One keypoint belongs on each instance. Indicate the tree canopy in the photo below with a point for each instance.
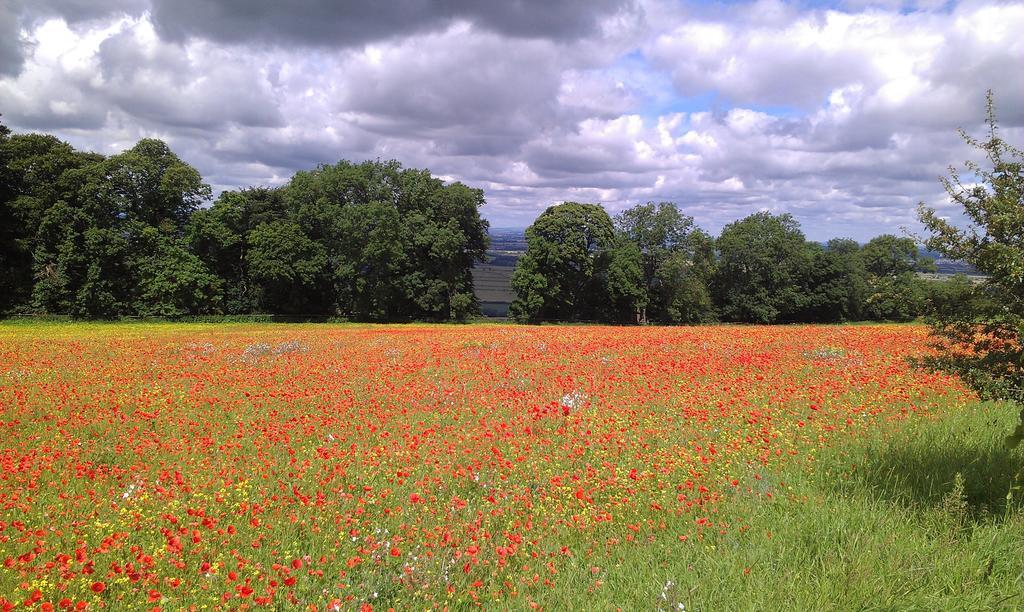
(655, 265)
(564, 273)
(677, 260)
(761, 260)
(127, 235)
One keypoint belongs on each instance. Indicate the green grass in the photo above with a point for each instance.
(916, 520)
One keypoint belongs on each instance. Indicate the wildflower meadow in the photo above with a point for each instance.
(341, 467)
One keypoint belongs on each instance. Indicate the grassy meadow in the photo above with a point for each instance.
(340, 467)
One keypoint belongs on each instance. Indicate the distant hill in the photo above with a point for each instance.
(949, 266)
(507, 239)
(492, 281)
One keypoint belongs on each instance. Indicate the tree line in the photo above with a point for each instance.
(93, 236)
(651, 263)
(96, 236)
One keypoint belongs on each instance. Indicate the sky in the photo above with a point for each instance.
(843, 113)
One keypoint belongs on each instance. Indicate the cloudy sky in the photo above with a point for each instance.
(843, 113)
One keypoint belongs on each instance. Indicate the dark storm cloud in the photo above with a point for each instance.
(317, 23)
(331, 23)
(11, 46)
(74, 11)
(157, 82)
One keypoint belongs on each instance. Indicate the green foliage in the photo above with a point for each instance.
(107, 238)
(564, 273)
(148, 184)
(172, 281)
(374, 242)
(33, 167)
(762, 259)
(217, 236)
(402, 244)
(835, 284)
(126, 235)
(12, 254)
(288, 266)
(99, 237)
(661, 268)
(372, 260)
(677, 261)
(682, 285)
(891, 256)
(624, 281)
(981, 337)
(894, 290)
(895, 298)
(78, 265)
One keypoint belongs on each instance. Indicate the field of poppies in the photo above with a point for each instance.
(372, 467)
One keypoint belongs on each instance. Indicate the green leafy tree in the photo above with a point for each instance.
(762, 261)
(171, 280)
(401, 244)
(834, 282)
(895, 292)
(682, 287)
(563, 274)
(218, 236)
(148, 184)
(676, 263)
(13, 274)
(850, 280)
(624, 282)
(64, 261)
(895, 298)
(889, 255)
(33, 171)
(369, 265)
(288, 267)
(396, 244)
(982, 338)
(94, 249)
(448, 237)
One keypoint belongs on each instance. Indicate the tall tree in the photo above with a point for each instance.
(895, 293)
(289, 268)
(676, 262)
(563, 274)
(834, 283)
(91, 242)
(982, 338)
(13, 278)
(374, 242)
(401, 244)
(33, 169)
(371, 262)
(218, 235)
(762, 259)
(171, 280)
(889, 255)
(149, 184)
(624, 282)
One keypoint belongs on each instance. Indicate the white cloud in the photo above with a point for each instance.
(844, 116)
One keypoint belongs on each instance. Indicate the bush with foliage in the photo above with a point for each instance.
(980, 334)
